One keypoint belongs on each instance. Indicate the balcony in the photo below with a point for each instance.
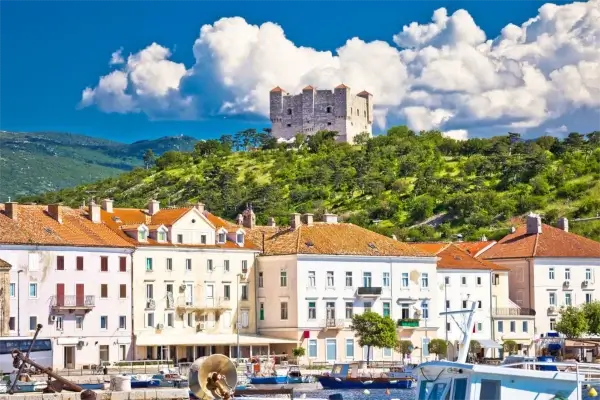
(212, 304)
(73, 303)
(369, 291)
(332, 324)
(513, 312)
(408, 323)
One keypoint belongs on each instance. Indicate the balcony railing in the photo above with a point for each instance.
(369, 291)
(408, 323)
(217, 303)
(333, 323)
(73, 302)
(513, 311)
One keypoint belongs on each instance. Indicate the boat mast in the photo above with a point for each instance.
(464, 345)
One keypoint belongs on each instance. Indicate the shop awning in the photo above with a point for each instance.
(581, 343)
(201, 339)
(489, 344)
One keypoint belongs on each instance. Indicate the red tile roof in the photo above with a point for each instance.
(342, 86)
(331, 239)
(4, 264)
(276, 89)
(363, 93)
(309, 87)
(552, 242)
(473, 248)
(452, 256)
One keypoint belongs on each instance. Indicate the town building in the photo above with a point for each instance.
(71, 274)
(4, 297)
(549, 267)
(314, 110)
(312, 277)
(193, 282)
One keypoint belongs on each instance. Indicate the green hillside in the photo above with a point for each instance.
(43, 161)
(416, 186)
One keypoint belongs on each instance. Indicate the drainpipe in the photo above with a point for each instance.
(132, 292)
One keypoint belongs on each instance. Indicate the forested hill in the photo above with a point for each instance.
(416, 186)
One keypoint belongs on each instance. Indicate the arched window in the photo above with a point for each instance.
(289, 111)
(357, 113)
(328, 110)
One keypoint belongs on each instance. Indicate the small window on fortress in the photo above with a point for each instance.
(357, 113)
(329, 123)
(329, 110)
(289, 125)
(365, 114)
(350, 110)
(289, 111)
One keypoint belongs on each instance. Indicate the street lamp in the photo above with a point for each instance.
(19, 302)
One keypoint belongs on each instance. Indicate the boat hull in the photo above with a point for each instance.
(144, 384)
(329, 382)
(269, 380)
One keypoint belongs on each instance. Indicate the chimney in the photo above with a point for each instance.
(200, 207)
(271, 222)
(107, 205)
(484, 238)
(153, 207)
(295, 221)
(249, 219)
(513, 229)
(563, 223)
(534, 224)
(308, 219)
(94, 212)
(55, 211)
(330, 218)
(394, 237)
(11, 209)
(240, 219)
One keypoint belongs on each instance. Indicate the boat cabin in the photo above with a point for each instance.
(444, 380)
(345, 370)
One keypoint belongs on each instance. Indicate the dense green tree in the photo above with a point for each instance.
(374, 330)
(572, 323)
(510, 346)
(439, 347)
(149, 158)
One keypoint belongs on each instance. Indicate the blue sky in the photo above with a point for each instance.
(52, 51)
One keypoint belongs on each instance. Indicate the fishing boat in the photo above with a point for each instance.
(346, 376)
(140, 381)
(527, 380)
(171, 378)
(278, 376)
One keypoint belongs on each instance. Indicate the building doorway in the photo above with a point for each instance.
(69, 357)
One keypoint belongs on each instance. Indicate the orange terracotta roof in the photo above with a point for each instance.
(331, 239)
(35, 226)
(453, 257)
(276, 89)
(309, 88)
(342, 86)
(552, 242)
(364, 92)
(431, 247)
(474, 248)
(4, 264)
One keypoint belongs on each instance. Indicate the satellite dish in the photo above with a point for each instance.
(213, 377)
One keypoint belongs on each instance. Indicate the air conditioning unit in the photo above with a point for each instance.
(585, 283)
(80, 343)
(150, 303)
(159, 326)
(552, 309)
(566, 283)
(182, 287)
(244, 270)
(200, 327)
(52, 318)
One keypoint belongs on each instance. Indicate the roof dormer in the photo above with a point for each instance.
(240, 237)
(142, 233)
(161, 234)
(221, 235)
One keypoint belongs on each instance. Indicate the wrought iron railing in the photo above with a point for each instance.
(73, 301)
(509, 311)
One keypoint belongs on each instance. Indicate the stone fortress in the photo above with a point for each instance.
(314, 110)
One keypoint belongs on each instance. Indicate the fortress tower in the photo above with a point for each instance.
(315, 110)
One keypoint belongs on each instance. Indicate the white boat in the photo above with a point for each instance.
(527, 380)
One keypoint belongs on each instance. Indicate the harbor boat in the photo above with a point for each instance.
(346, 376)
(277, 377)
(527, 380)
(141, 381)
(171, 378)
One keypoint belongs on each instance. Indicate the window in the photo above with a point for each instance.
(221, 237)
(79, 263)
(261, 311)
(424, 280)
(104, 291)
(170, 320)
(588, 297)
(32, 323)
(59, 323)
(240, 238)
(12, 289)
(260, 279)
(386, 309)
(60, 263)
(33, 290)
(149, 291)
(386, 279)
(425, 344)
(552, 324)
(190, 319)
(405, 279)
(513, 326)
(405, 310)
(448, 325)
(425, 310)
(312, 310)
(226, 265)
(122, 291)
(525, 326)
(478, 303)
(289, 111)
(180, 238)
(104, 322)
(122, 322)
(245, 318)
(122, 264)
(330, 280)
(367, 306)
(141, 234)
(283, 308)
(148, 264)
(446, 280)
(500, 326)
(150, 320)
(11, 323)
(567, 274)
(330, 309)
(447, 304)
(349, 348)
(349, 309)
(568, 299)
(387, 352)
(283, 278)
(552, 298)
(588, 274)
(289, 125)
(463, 280)
(312, 280)
(328, 110)
(479, 327)
(478, 281)
(330, 349)
(79, 322)
(227, 292)
(209, 265)
(162, 236)
(349, 279)
(244, 266)
(104, 264)
(169, 264)
(464, 304)
(551, 273)
(188, 264)
(312, 348)
(202, 239)
(244, 292)
(367, 279)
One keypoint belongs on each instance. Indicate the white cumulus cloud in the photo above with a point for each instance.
(445, 74)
